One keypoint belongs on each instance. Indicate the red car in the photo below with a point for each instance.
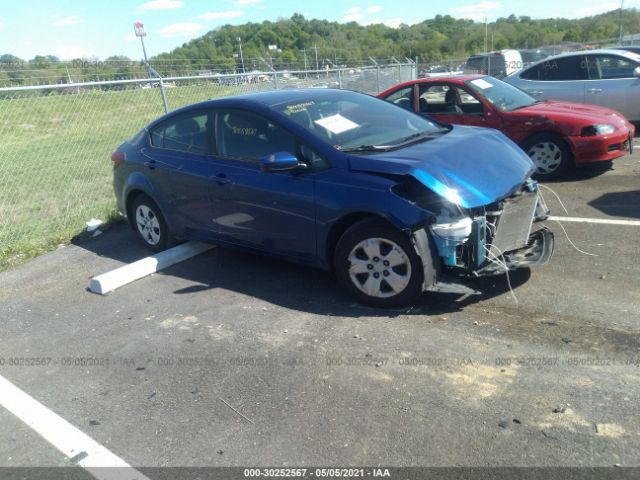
(556, 135)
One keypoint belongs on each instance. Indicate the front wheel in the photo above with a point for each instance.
(378, 265)
(550, 155)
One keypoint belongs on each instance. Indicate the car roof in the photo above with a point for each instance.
(598, 51)
(259, 101)
(272, 98)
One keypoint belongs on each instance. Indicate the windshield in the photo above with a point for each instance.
(356, 122)
(501, 95)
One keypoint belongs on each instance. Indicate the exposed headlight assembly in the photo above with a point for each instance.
(456, 231)
(598, 129)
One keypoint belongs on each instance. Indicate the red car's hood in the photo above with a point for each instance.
(575, 113)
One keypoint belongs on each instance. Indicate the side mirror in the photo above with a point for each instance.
(636, 72)
(279, 162)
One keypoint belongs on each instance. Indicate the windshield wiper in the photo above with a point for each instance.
(366, 148)
(419, 136)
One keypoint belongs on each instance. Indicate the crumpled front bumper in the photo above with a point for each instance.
(491, 241)
(538, 251)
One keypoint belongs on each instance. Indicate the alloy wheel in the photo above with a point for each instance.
(379, 267)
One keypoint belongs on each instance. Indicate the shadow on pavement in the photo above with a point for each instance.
(285, 284)
(584, 172)
(619, 204)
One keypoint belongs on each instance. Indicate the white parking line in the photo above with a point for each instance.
(79, 447)
(605, 221)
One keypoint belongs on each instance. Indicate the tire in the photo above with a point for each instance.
(359, 265)
(550, 154)
(150, 224)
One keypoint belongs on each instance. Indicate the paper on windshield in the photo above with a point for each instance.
(336, 124)
(481, 83)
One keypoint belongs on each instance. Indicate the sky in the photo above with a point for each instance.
(72, 29)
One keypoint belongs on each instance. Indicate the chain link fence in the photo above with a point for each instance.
(55, 141)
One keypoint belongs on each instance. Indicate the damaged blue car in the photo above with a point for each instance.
(393, 203)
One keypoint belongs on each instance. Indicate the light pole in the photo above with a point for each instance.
(241, 57)
(138, 28)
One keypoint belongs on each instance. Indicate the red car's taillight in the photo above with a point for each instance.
(117, 157)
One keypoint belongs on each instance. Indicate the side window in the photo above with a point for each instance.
(532, 73)
(184, 133)
(469, 104)
(402, 98)
(250, 137)
(440, 99)
(610, 66)
(559, 69)
(312, 158)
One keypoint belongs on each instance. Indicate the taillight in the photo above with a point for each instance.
(117, 157)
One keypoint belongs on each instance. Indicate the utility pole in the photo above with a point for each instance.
(241, 57)
(315, 47)
(306, 75)
(621, 18)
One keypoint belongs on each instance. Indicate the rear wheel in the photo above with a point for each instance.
(550, 154)
(378, 265)
(150, 223)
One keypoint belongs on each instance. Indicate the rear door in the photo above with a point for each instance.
(178, 165)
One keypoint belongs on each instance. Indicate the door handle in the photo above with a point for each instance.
(594, 90)
(536, 92)
(221, 179)
(150, 164)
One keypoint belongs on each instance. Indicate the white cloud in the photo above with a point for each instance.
(247, 2)
(393, 22)
(354, 14)
(181, 29)
(1, 24)
(596, 9)
(219, 15)
(161, 5)
(476, 11)
(70, 52)
(68, 21)
(363, 16)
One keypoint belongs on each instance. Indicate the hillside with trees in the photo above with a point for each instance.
(432, 40)
(287, 42)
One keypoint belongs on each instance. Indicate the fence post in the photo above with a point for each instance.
(340, 78)
(275, 80)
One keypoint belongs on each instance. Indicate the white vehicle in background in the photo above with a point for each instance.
(499, 63)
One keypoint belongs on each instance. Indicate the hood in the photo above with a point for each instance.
(574, 113)
(469, 166)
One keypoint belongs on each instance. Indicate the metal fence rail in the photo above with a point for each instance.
(55, 140)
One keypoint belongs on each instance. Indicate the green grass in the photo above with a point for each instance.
(55, 168)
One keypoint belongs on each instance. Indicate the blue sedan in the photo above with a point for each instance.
(393, 203)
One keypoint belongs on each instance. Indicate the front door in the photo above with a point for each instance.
(271, 212)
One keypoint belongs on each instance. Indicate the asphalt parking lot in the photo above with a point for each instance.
(234, 360)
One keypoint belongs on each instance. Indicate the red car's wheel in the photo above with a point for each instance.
(550, 154)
